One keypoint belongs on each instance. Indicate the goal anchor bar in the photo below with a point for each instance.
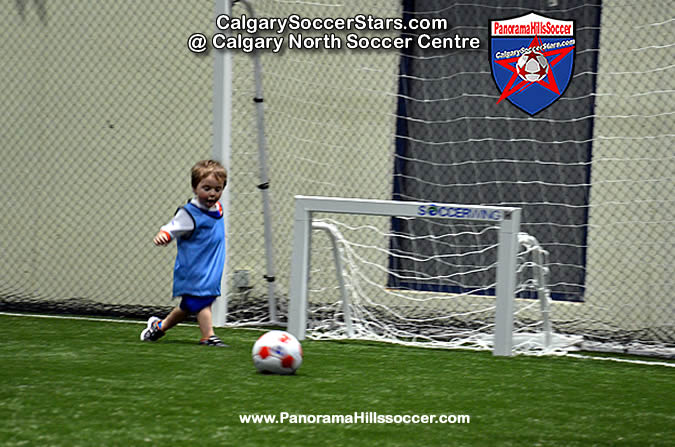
(509, 224)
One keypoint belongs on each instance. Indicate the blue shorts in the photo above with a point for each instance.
(193, 304)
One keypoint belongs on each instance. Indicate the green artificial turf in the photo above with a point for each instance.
(74, 382)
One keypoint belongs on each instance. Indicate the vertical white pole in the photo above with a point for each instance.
(507, 252)
(264, 188)
(222, 121)
(300, 262)
(264, 185)
(543, 295)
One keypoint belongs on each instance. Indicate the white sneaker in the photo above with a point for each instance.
(152, 332)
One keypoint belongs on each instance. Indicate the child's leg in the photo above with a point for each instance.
(205, 320)
(209, 338)
(156, 327)
(175, 316)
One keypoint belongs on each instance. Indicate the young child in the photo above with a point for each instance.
(199, 232)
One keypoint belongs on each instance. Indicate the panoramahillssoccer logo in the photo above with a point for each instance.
(532, 59)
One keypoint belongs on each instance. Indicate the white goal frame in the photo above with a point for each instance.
(508, 219)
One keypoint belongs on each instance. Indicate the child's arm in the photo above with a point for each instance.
(162, 238)
(181, 225)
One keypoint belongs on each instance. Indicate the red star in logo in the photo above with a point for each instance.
(548, 82)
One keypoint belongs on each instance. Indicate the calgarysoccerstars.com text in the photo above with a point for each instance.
(360, 417)
(248, 34)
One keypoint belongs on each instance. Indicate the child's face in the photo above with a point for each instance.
(208, 191)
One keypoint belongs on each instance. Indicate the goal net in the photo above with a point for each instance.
(459, 294)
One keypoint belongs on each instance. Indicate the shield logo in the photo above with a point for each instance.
(532, 59)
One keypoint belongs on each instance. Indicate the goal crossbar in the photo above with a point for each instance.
(507, 219)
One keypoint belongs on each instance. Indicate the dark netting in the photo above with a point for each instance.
(105, 110)
(457, 146)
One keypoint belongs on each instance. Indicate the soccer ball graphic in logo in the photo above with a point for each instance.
(277, 352)
(532, 66)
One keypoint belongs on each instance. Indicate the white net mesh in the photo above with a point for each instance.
(360, 295)
(593, 173)
(104, 104)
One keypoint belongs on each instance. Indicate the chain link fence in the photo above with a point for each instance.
(106, 110)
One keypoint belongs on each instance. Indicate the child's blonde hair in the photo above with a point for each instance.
(204, 168)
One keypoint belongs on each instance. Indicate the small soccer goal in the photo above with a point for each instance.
(465, 277)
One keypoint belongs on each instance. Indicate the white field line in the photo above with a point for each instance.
(108, 320)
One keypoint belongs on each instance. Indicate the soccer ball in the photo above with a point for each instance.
(277, 352)
(532, 66)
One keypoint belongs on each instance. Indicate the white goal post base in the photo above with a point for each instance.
(507, 219)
